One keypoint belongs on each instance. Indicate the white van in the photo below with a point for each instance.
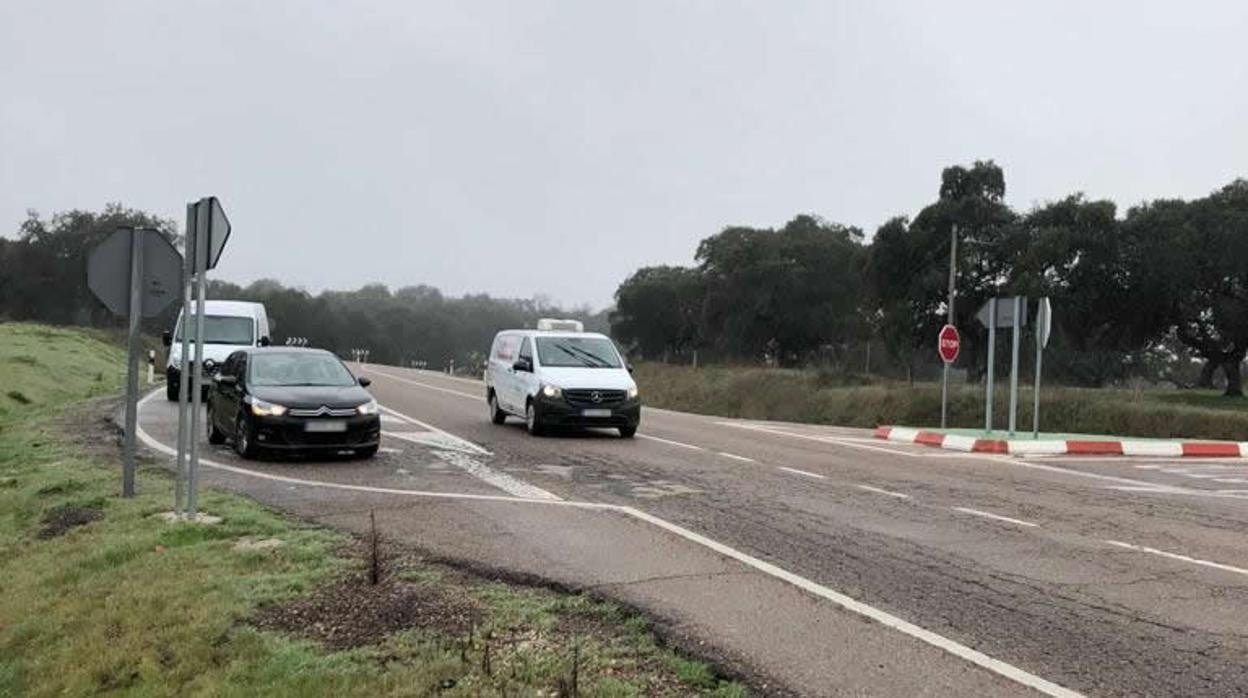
(559, 376)
(228, 327)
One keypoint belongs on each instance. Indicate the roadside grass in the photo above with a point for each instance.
(816, 397)
(114, 600)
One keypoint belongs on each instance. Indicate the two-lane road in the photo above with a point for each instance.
(1127, 577)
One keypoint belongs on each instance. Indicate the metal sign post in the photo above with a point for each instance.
(1014, 368)
(992, 355)
(1044, 325)
(950, 321)
(184, 376)
(133, 272)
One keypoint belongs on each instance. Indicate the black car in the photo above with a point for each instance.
(286, 399)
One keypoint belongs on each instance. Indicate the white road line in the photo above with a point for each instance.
(987, 515)
(795, 471)
(1181, 558)
(669, 442)
(878, 490)
(462, 443)
(502, 481)
(850, 604)
(818, 439)
(425, 385)
(734, 456)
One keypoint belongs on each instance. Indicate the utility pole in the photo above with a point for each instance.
(949, 319)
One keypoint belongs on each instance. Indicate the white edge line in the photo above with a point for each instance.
(818, 439)
(998, 517)
(878, 490)
(669, 442)
(884, 618)
(424, 385)
(1176, 556)
(795, 471)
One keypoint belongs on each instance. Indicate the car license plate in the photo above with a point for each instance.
(595, 413)
(328, 425)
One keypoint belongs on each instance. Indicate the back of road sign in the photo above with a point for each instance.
(1005, 313)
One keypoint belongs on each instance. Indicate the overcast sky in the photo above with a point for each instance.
(532, 147)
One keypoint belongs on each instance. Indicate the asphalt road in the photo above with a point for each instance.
(817, 560)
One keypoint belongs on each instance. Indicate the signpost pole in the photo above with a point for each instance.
(132, 361)
(1043, 319)
(202, 234)
(992, 356)
(184, 378)
(1018, 301)
(953, 276)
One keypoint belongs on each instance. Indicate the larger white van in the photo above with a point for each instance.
(560, 377)
(228, 327)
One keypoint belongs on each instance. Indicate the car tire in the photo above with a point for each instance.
(366, 453)
(215, 437)
(497, 415)
(533, 419)
(171, 390)
(244, 444)
(628, 432)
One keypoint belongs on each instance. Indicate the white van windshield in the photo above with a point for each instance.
(224, 329)
(580, 352)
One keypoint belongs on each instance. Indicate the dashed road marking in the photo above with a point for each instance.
(734, 456)
(1181, 558)
(997, 517)
(803, 473)
(887, 493)
(669, 442)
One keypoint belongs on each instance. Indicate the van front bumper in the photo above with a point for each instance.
(557, 412)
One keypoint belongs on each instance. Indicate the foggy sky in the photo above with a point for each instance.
(532, 147)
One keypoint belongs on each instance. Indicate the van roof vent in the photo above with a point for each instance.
(551, 324)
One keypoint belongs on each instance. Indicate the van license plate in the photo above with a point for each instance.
(332, 425)
(595, 413)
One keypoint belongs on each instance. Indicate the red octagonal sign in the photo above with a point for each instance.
(949, 344)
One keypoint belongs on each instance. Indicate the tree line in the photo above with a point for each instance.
(1146, 294)
(43, 279)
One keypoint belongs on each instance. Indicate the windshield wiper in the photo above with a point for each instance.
(579, 358)
(599, 362)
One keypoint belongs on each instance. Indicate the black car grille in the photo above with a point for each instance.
(323, 411)
(592, 398)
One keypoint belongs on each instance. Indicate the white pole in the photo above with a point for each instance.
(992, 355)
(132, 361)
(184, 376)
(197, 380)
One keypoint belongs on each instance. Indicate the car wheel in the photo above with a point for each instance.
(497, 415)
(365, 453)
(171, 390)
(215, 437)
(532, 419)
(243, 445)
(628, 432)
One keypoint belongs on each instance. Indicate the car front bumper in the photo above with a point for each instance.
(557, 412)
(291, 433)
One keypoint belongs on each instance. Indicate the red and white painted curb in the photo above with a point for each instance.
(1054, 447)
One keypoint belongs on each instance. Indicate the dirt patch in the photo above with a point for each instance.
(352, 613)
(61, 519)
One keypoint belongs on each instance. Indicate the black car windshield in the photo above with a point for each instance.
(224, 329)
(297, 368)
(581, 352)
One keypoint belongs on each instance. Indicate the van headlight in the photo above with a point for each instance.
(553, 392)
(369, 407)
(632, 393)
(260, 408)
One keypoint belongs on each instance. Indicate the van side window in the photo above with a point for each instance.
(526, 350)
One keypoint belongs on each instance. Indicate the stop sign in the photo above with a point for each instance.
(949, 344)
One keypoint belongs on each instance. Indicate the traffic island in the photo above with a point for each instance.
(969, 441)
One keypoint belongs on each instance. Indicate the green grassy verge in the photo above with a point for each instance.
(812, 396)
(100, 596)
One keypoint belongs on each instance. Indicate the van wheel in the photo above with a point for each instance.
(628, 432)
(532, 419)
(497, 415)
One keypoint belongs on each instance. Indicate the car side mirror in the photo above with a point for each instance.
(225, 380)
(523, 365)
(364, 382)
(166, 338)
(265, 341)
(629, 367)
